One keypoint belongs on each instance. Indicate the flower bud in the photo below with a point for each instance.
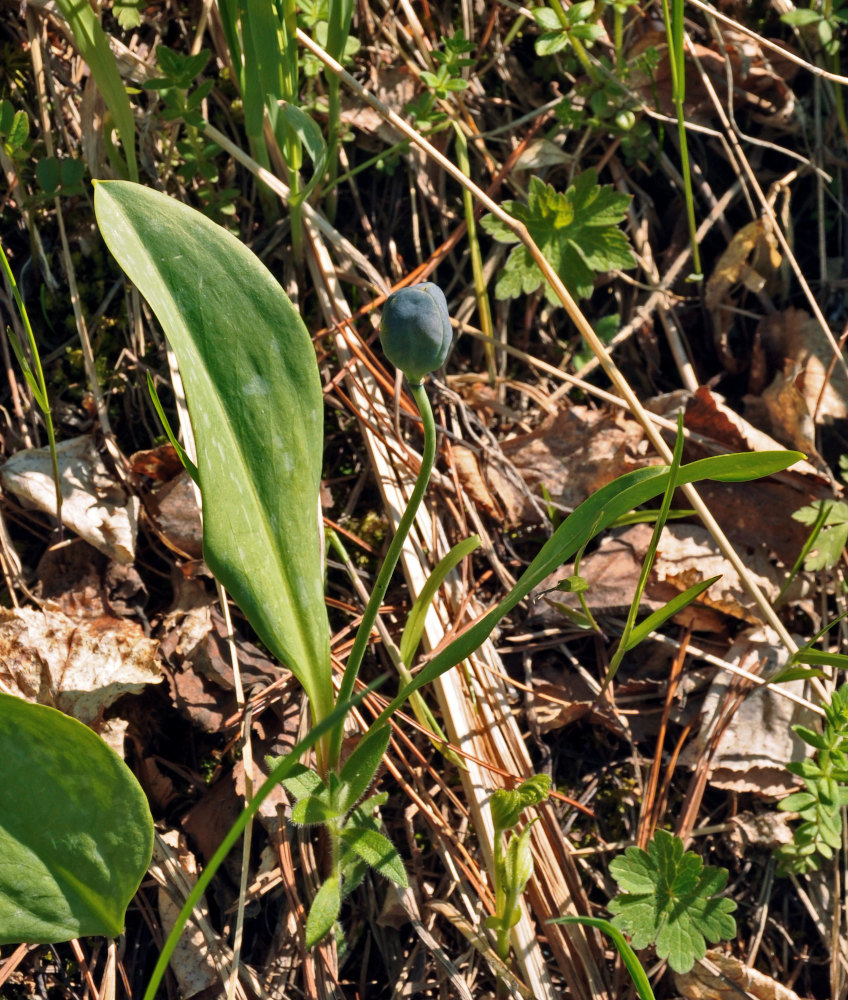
(415, 330)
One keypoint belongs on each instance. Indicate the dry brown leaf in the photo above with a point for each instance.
(78, 665)
(794, 342)
(572, 454)
(94, 505)
(726, 978)
(751, 260)
(192, 962)
(758, 742)
(767, 831)
(471, 478)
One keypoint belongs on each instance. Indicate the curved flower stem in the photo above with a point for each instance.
(363, 634)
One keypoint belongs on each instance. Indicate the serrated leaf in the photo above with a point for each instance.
(670, 901)
(359, 769)
(378, 852)
(324, 911)
(577, 231)
(313, 810)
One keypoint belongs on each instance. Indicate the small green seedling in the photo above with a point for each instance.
(513, 864)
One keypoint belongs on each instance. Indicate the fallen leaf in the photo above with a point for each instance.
(758, 742)
(728, 979)
(78, 665)
(572, 454)
(94, 505)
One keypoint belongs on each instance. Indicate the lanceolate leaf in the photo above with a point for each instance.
(378, 852)
(678, 603)
(76, 833)
(589, 519)
(94, 48)
(254, 396)
(359, 769)
(324, 911)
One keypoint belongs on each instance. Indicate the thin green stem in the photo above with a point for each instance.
(363, 633)
(36, 382)
(673, 18)
(278, 773)
(484, 308)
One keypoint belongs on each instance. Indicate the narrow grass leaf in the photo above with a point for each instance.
(661, 615)
(414, 628)
(628, 955)
(591, 517)
(94, 48)
(76, 835)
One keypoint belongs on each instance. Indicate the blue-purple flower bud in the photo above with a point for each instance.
(415, 330)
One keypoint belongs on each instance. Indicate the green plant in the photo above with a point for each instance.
(14, 129)
(826, 779)
(670, 900)
(76, 836)
(450, 61)
(673, 19)
(828, 520)
(513, 863)
(94, 48)
(576, 230)
(254, 397)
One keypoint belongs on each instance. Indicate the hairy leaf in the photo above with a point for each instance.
(377, 851)
(324, 911)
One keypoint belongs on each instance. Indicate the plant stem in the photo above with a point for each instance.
(363, 633)
(36, 383)
(484, 309)
(673, 19)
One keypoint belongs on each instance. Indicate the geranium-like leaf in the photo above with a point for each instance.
(671, 900)
(576, 230)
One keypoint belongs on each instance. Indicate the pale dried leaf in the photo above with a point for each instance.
(728, 979)
(94, 505)
(758, 742)
(80, 666)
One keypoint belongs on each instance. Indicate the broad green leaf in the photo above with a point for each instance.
(94, 47)
(577, 231)
(254, 397)
(589, 519)
(301, 780)
(378, 852)
(661, 615)
(797, 802)
(324, 911)
(359, 769)
(810, 736)
(313, 810)
(76, 835)
(670, 900)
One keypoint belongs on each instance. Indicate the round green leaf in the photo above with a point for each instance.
(76, 835)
